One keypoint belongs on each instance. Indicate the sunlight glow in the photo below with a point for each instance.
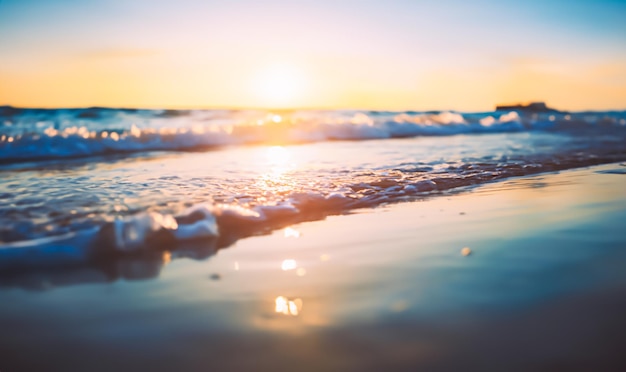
(167, 257)
(291, 233)
(275, 163)
(289, 264)
(278, 156)
(280, 85)
(285, 306)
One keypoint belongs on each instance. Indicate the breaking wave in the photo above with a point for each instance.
(33, 135)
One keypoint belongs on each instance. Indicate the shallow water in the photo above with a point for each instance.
(384, 288)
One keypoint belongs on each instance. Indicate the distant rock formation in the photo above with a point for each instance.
(528, 107)
(9, 111)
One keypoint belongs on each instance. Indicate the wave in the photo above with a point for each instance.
(59, 134)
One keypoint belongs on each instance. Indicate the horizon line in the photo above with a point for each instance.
(283, 109)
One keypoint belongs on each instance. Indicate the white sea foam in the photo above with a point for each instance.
(52, 134)
(134, 232)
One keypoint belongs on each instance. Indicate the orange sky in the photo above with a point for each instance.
(373, 55)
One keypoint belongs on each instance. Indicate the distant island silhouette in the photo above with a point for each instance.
(528, 107)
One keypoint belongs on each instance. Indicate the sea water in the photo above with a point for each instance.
(98, 181)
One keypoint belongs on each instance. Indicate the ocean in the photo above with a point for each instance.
(319, 240)
(127, 180)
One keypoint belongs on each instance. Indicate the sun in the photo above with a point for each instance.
(280, 85)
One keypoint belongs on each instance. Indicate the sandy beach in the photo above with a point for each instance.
(541, 287)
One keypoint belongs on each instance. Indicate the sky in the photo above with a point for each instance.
(381, 55)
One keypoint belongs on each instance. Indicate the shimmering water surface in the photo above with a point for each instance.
(122, 178)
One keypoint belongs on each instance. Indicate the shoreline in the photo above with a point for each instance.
(377, 288)
(147, 264)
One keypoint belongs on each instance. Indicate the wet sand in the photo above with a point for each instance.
(544, 288)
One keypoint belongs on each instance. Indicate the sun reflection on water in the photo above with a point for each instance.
(167, 257)
(291, 233)
(275, 178)
(278, 156)
(289, 264)
(287, 306)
